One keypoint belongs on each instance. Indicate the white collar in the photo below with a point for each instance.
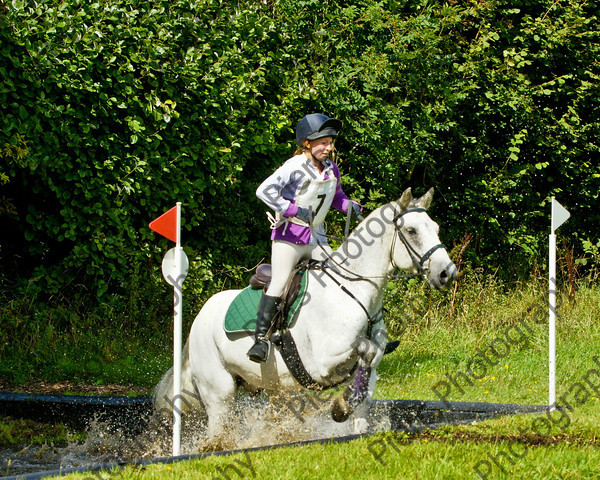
(327, 165)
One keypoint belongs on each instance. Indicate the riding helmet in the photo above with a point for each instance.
(316, 125)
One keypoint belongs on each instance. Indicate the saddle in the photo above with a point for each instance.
(262, 276)
(262, 279)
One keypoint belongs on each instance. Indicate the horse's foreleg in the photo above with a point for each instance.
(361, 412)
(358, 395)
(373, 357)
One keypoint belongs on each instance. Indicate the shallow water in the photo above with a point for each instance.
(255, 423)
(27, 459)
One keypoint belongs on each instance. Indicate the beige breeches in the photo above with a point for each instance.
(284, 257)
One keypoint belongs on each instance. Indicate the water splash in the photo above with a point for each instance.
(257, 423)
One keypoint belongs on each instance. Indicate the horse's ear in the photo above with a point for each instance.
(405, 199)
(425, 200)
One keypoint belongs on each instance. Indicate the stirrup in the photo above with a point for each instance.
(259, 351)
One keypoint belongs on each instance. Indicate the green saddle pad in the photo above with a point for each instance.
(241, 315)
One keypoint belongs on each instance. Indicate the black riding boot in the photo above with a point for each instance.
(267, 308)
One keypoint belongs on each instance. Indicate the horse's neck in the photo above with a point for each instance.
(367, 251)
(341, 315)
(362, 264)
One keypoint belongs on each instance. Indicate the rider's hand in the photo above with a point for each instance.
(356, 209)
(303, 214)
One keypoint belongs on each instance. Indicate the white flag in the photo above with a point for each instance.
(559, 214)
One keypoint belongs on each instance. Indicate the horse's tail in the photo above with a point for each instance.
(162, 396)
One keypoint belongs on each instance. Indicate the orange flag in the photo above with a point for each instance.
(166, 224)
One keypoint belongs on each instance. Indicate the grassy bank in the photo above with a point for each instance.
(494, 347)
(425, 456)
(124, 341)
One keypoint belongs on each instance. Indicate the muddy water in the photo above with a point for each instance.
(26, 459)
(255, 423)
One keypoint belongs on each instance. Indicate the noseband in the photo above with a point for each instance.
(418, 260)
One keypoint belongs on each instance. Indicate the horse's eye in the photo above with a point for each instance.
(411, 230)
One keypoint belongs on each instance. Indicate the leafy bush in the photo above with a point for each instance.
(126, 107)
(494, 104)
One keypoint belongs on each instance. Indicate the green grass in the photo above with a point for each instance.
(440, 335)
(18, 431)
(55, 342)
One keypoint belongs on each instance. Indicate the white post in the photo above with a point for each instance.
(552, 322)
(558, 216)
(177, 314)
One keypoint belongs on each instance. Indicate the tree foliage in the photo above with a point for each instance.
(113, 110)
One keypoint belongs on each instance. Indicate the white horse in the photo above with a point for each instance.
(339, 333)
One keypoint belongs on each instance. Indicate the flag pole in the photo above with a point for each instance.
(558, 216)
(175, 266)
(177, 321)
(552, 321)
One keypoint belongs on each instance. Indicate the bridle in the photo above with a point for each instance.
(418, 260)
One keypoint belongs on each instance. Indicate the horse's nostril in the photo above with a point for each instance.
(453, 273)
(447, 276)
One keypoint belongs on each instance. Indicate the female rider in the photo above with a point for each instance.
(299, 192)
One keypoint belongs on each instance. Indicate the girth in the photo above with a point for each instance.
(289, 352)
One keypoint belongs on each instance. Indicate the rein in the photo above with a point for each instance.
(372, 319)
(418, 260)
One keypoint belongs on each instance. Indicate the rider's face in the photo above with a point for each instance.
(321, 148)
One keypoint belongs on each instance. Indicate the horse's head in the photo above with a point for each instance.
(416, 245)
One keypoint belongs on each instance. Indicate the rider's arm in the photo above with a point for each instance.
(340, 200)
(280, 187)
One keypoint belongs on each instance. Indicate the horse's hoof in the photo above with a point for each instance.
(340, 410)
(391, 346)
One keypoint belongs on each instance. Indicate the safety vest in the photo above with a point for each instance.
(315, 195)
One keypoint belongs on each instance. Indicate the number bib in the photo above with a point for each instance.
(316, 195)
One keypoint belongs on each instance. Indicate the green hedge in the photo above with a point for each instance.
(114, 110)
